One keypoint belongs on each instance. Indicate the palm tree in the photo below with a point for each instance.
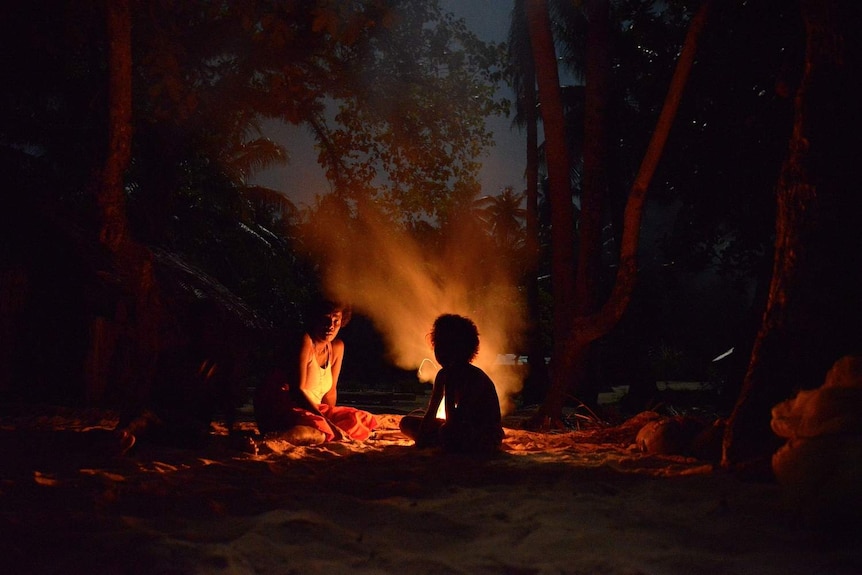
(562, 210)
(594, 184)
(503, 218)
(523, 79)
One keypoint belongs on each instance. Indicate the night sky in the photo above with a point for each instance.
(302, 178)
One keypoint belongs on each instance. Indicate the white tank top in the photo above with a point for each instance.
(320, 378)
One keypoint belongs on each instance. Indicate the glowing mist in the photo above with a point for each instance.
(403, 286)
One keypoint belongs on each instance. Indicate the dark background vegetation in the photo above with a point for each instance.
(231, 259)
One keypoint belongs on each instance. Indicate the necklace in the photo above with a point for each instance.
(323, 350)
(322, 369)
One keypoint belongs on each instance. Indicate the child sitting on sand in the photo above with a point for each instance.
(473, 422)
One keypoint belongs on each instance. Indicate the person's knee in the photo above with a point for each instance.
(302, 435)
(409, 426)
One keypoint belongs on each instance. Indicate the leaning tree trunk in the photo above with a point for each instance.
(586, 329)
(589, 328)
(813, 314)
(123, 347)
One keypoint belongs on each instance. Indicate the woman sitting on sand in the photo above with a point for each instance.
(298, 402)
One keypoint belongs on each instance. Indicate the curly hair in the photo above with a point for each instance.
(320, 308)
(455, 339)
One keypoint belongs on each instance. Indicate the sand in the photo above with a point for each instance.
(574, 502)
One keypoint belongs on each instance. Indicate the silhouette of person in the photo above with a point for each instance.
(473, 420)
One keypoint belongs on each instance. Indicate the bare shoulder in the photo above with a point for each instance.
(306, 344)
(477, 373)
(305, 349)
(337, 347)
(466, 375)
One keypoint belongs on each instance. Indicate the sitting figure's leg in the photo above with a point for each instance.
(302, 435)
(355, 423)
(409, 426)
(471, 440)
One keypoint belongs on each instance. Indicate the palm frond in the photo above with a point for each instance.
(255, 155)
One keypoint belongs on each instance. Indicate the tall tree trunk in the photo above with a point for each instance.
(537, 382)
(593, 187)
(562, 210)
(115, 233)
(812, 316)
(123, 347)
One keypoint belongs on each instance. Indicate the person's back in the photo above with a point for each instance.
(472, 396)
(473, 420)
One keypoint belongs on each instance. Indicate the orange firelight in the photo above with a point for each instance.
(427, 372)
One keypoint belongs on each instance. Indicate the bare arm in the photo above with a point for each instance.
(306, 356)
(437, 393)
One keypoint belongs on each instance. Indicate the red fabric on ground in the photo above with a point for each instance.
(357, 424)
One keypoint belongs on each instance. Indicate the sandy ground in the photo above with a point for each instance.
(574, 502)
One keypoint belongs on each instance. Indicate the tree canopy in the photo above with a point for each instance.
(396, 94)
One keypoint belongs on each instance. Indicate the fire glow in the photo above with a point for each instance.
(426, 373)
(403, 287)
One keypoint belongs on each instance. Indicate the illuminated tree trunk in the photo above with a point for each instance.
(813, 315)
(562, 210)
(122, 350)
